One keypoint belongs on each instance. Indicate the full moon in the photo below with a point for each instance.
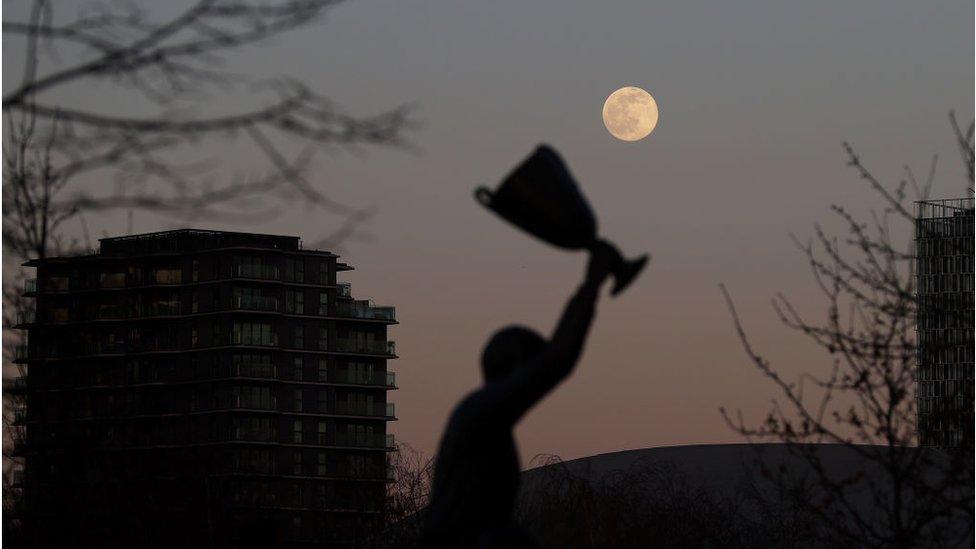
(630, 114)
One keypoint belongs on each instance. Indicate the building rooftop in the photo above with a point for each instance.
(949, 207)
(190, 240)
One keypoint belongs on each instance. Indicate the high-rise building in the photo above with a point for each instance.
(944, 267)
(202, 388)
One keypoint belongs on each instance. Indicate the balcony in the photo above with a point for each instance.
(110, 312)
(255, 303)
(260, 272)
(167, 276)
(364, 309)
(111, 280)
(18, 384)
(98, 348)
(391, 379)
(163, 308)
(387, 348)
(26, 317)
(372, 409)
(267, 340)
(361, 441)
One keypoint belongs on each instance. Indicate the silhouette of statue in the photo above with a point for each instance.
(476, 477)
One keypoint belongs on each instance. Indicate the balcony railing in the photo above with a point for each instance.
(20, 352)
(375, 409)
(239, 339)
(361, 441)
(369, 347)
(345, 289)
(26, 317)
(112, 280)
(256, 303)
(391, 379)
(30, 285)
(110, 312)
(263, 272)
(364, 309)
(163, 308)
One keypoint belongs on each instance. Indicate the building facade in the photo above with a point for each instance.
(212, 389)
(944, 270)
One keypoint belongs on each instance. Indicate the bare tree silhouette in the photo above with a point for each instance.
(865, 398)
(176, 68)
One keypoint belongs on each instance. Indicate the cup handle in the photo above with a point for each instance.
(484, 196)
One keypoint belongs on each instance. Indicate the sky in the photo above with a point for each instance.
(755, 99)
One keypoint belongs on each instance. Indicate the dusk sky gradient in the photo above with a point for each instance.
(755, 100)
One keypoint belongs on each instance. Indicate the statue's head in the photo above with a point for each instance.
(508, 348)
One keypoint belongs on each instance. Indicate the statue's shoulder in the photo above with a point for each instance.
(475, 406)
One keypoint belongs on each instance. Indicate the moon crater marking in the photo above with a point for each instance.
(630, 114)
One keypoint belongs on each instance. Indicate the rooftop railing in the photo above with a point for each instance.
(928, 209)
(364, 309)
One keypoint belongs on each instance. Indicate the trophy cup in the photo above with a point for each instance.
(542, 198)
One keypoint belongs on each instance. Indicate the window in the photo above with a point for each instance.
(296, 431)
(323, 272)
(256, 429)
(254, 267)
(297, 367)
(194, 303)
(323, 401)
(253, 333)
(253, 365)
(258, 398)
(361, 373)
(296, 464)
(168, 276)
(323, 431)
(299, 337)
(254, 461)
(194, 337)
(196, 270)
(295, 270)
(295, 302)
(298, 400)
(323, 339)
(323, 303)
(323, 370)
(321, 469)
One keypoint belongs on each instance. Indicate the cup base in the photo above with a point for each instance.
(627, 272)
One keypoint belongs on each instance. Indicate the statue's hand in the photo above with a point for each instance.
(603, 256)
